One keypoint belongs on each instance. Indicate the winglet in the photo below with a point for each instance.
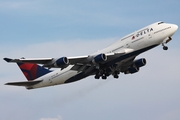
(8, 59)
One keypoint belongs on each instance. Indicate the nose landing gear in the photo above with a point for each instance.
(165, 42)
(164, 47)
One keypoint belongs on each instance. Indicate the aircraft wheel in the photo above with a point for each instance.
(116, 76)
(165, 48)
(96, 77)
(104, 77)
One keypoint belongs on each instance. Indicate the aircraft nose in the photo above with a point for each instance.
(175, 27)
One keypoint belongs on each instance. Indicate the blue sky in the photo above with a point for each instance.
(44, 28)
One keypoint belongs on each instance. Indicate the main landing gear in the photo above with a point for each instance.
(116, 74)
(101, 74)
(104, 75)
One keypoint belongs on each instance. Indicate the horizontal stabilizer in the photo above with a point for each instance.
(24, 83)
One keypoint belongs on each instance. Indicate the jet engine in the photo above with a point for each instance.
(140, 62)
(99, 58)
(136, 65)
(61, 62)
(132, 70)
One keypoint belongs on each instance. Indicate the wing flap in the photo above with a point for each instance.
(24, 83)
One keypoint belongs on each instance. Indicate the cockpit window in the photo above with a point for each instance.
(160, 23)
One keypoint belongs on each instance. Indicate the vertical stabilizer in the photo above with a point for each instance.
(32, 71)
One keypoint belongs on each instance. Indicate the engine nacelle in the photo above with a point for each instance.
(61, 62)
(136, 65)
(132, 70)
(99, 58)
(140, 62)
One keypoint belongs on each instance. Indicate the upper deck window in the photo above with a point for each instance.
(160, 23)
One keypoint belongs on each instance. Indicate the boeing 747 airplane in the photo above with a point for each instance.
(113, 60)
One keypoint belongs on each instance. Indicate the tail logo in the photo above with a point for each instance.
(32, 71)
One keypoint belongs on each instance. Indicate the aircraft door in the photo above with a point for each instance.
(127, 45)
(50, 81)
(150, 35)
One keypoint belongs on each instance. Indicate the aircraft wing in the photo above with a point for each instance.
(44, 61)
(48, 62)
(65, 61)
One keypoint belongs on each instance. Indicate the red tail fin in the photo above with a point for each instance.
(32, 71)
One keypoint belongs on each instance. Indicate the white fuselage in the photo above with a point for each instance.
(151, 35)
